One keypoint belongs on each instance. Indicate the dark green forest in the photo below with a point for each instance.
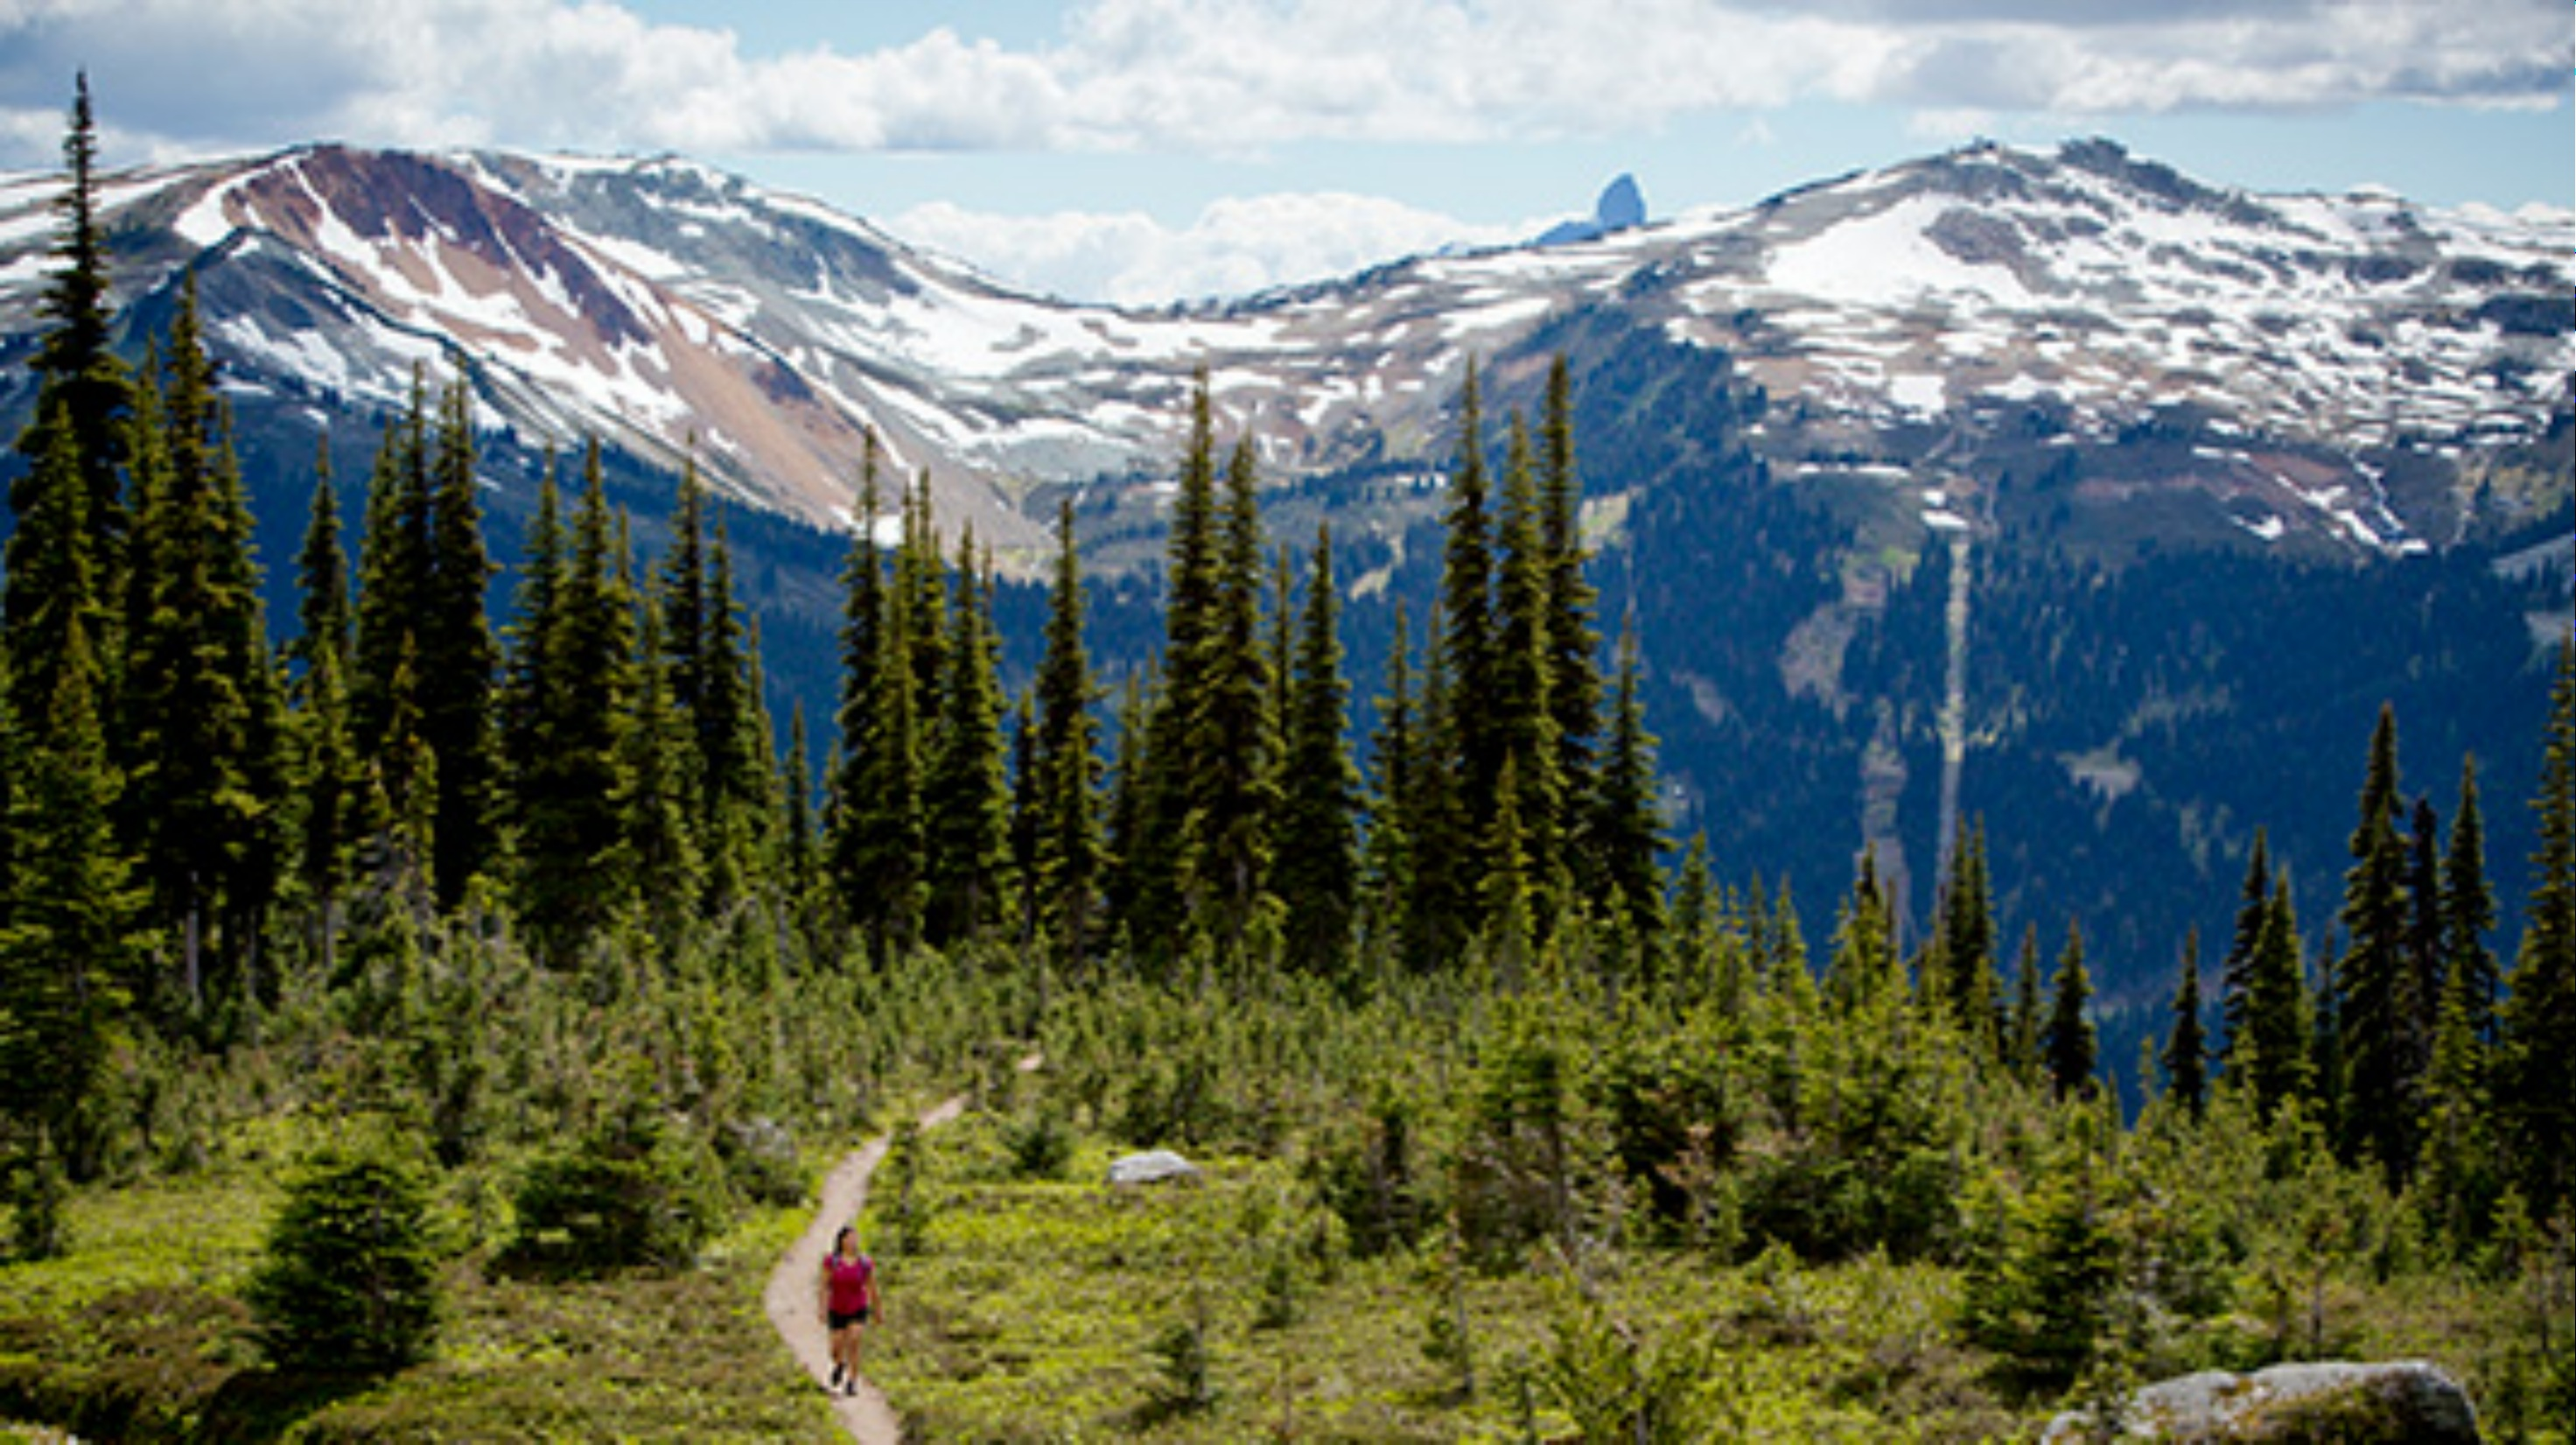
(518, 936)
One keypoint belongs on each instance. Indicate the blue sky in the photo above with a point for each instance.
(1142, 149)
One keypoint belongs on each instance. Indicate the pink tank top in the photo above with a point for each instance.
(850, 1283)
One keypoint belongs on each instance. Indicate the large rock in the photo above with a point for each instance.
(2409, 1402)
(1152, 1166)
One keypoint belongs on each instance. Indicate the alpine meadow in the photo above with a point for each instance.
(1675, 867)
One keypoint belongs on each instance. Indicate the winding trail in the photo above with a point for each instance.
(792, 1295)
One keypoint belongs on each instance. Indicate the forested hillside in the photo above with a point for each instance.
(513, 976)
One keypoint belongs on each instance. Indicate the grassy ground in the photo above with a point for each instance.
(138, 1333)
(1023, 1309)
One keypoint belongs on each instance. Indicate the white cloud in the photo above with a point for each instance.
(1222, 75)
(1233, 247)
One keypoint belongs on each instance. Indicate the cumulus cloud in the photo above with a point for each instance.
(1233, 247)
(1225, 75)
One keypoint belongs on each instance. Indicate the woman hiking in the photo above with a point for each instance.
(849, 1297)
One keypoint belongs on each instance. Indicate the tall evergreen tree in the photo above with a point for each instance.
(965, 791)
(863, 609)
(68, 970)
(82, 388)
(1231, 783)
(1387, 854)
(1574, 693)
(2377, 1005)
(2536, 1094)
(2236, 973)
(457, 653)
(1628, 826)
(2270, 1048)
(1523, 722)
(329, 775)
(2071, 1048)
(1317, 872)
(574, 797)
(1466, 612)
(2469, 910)
(2185, 1060)
(393, 580)
(1965, 939)
(200, 720)
(1068, 851)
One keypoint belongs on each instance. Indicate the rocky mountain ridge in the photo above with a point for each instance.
(2346, 373)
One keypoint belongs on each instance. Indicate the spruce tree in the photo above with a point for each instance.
(393, 581)
(2236, 972)
(575, 799)
(2185, 1059)
(69, 974)
(2377, 1004)
(1965, 938)
(863, 609)
(82, 388)
(2536, 1088)
(457, 654)
(1387, 854)
(2270, 1049)
(1317, 873)
(965, 792)
(329, 776)
(1466, 612)
(1523, 722)
(200, 722)
(1628, 824)
(1232, 784)
(1574, 693)
(2469, 910)
(2070, 1050)
(1065, 769)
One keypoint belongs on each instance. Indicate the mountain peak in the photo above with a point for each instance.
(1622, 207)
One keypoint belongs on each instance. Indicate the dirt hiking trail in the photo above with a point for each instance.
(793, 1293)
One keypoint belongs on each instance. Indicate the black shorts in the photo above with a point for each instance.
(840, 1321)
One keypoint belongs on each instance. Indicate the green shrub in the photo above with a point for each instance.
(349, 1282)
(630, 1194)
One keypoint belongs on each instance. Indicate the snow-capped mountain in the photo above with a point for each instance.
(2341, 369)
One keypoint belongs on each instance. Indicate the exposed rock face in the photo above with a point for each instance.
(2408, 1402)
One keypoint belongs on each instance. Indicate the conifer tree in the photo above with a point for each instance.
(655, 857)
(2071, 1048)
(1523, 722)
(1064, 773)
(1466, 612)
(68, 972)
(1386, 860)
(330, 782)
(2270, 1048)
(2377, 1005)
(457, 653)
(1628, 825)
(965, 793)
(2536, 1094)
(576, 801)
(1157, 873)
(2025, 1025)
(2236, 973)
(1574, 694)
(393, 581)
(200, 721)
(1231, 783)
(2185, 1059)
(82, 388)
(1317, 872)
(1864, 965)
(2469, 910)
(1965, 939)
(846, 841)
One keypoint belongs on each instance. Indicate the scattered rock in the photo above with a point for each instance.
(2408, 1402)
(1150, 1166)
